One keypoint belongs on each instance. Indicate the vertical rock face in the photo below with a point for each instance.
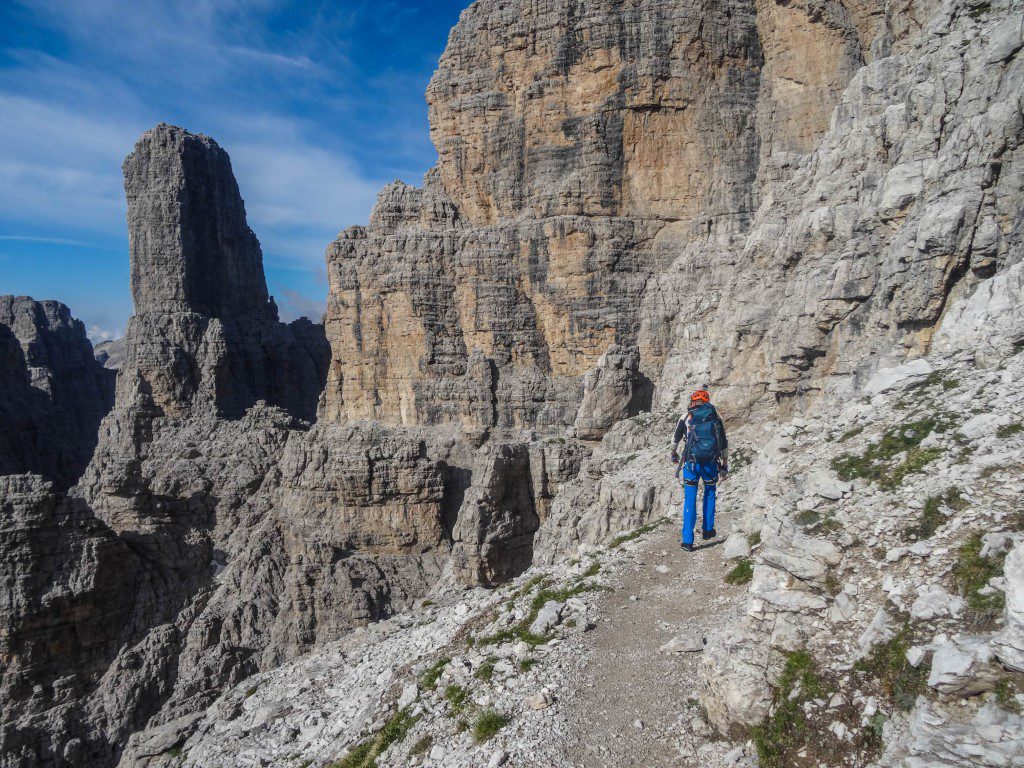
(66, 607)
(192, 250)
(53, 393)
(205, 333)
(494, 532)
(614, 390)
(581, 149)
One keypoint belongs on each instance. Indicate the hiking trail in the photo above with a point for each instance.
(625, 701)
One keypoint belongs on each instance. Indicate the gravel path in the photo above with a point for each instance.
(630, 703)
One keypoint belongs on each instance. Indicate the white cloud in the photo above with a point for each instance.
(293, 305)
(97, 334)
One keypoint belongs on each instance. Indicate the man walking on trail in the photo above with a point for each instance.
(705, 456)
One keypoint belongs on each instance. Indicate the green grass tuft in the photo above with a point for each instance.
(931, 517)
(488, 723)
(429, 678)
(621, 539)
(875, 464)
(1009, 430)
(365, 754)
(753, 539)
(485, 671)
(521, 630)
(422, 746)
(971, 572)
(457, 697)
(888, 665)
(742, 573)
(783, 733)
(851, 433)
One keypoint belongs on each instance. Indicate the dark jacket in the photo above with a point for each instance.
(682, 427)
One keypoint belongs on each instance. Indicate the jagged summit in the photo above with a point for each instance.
(191, 248)
(205, 333)
(53, 393)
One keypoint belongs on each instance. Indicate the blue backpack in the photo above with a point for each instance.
(702, 439)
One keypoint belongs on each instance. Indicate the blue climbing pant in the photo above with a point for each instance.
(692, 474)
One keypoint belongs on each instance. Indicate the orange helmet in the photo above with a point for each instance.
(700, 396)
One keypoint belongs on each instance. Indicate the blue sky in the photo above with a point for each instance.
(318, 104)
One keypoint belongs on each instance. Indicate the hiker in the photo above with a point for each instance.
(705, 457)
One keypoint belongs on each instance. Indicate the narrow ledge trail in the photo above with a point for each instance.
(626, 702)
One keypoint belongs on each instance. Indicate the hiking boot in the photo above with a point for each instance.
(708, 534)
(687, 547)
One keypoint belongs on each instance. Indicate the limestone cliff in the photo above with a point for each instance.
(205, 332)
(53, 393)
(582, 149)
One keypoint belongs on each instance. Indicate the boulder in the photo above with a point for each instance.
(735, 692)
(962, 666)
(934, 602)
(613, 390)
(1009, 642)
(548, 617)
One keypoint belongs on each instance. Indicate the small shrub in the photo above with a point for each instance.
(742, 573)
(783, 733)
(832, 584)
(488, 723)
(971, 572)
(888, 665)
(1005, 691)
(429, 678)
(1009, 430)
(807, 518)
(875, 730)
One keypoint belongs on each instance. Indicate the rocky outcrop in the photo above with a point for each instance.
(110, 354)
(493, 535)
(67, 607)
(614, 390)
(53, 394)
(775, 198)
(205, 334)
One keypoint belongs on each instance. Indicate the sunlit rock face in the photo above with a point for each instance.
(643, 175)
